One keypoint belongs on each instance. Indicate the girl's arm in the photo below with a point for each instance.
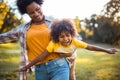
(33, 62)
(96, 48)
(65, 54)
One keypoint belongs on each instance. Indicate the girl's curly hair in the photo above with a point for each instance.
(59, 26)
(22, 4)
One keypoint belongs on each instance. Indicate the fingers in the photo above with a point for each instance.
(112, 51)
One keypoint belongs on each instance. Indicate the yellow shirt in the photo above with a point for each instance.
(38, 37)
(57, 47)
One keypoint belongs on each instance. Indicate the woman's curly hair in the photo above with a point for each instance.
(22, 4)
(59, 26)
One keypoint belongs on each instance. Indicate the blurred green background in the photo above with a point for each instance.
(90, 65)
(102, 29)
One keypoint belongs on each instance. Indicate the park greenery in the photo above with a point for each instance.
(99, 28)
(8, 19)
(90, 65)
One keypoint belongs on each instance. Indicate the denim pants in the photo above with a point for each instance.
(56, 69)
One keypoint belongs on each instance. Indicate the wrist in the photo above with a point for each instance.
(26, 67)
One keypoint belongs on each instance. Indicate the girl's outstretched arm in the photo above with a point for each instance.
(96, 48)
(36, 60)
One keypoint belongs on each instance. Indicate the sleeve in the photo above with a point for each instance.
(79, 43)
(50, 47)
(10, 35)
(48, 21)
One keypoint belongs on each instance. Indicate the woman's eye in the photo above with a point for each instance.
(38, 9)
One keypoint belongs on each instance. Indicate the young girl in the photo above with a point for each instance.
(63, 34)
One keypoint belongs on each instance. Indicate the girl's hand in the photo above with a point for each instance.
(21, 69)
(112, 51)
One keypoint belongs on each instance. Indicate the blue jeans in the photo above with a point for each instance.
(56, 69)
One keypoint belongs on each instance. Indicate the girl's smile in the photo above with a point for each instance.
(65, 38)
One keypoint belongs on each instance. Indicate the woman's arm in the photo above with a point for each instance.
(12, 35)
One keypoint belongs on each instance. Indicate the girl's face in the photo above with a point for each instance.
(65, 38)
(35, 12)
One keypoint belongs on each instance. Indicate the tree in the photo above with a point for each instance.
(8, 19)
(77, 23)
(112, 8)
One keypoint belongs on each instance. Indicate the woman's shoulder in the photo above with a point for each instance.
(49, 19)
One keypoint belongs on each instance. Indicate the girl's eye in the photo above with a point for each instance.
(68, 35)
(30, 13)
(61, 36)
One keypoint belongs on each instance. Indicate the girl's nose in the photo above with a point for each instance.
(65, 38)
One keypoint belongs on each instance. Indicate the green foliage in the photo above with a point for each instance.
(107, 30)
(112, 8)
(8, 19)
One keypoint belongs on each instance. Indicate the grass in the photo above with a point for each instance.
(8, 62)
(9, 46)
(90, 65)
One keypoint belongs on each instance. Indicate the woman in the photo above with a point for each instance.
(34, 38)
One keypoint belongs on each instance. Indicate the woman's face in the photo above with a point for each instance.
(35, 12)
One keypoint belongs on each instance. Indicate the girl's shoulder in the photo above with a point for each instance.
(76, 41)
